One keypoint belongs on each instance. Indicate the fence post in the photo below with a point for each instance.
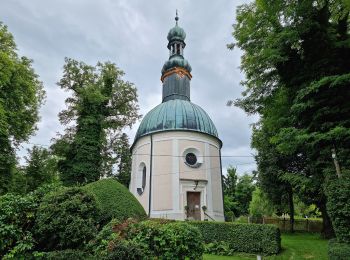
(258, 257)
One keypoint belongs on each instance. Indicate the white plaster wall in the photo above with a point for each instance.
(172, 178)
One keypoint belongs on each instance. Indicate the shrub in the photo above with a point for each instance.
(147, 239)
(174, 240)
(16, 220)
(218, 248)
(66, 219)
(17, 217)
(248, 238)
(125, 249)
(99, 245)
(115, 201)
(337, 250)
(338, 207)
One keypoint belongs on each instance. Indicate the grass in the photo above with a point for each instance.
(296, 246)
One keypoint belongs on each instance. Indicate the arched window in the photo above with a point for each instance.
(141, 178)
(144, 177)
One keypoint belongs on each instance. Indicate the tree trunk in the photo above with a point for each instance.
(327, 228)
(291, 210)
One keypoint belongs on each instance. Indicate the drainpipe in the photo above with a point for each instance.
(150, 179)
(222, 186)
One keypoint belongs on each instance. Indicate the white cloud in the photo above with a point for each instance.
(133, 35)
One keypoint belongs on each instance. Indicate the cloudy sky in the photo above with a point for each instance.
(132, 34)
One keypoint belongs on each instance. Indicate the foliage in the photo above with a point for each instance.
(237, 192)
(338, 250)
(21, 94)
(296, 56)
(174, 240)
(218, 248)
(149, 239)
(102, 104)
(68, 254)
(125, 249)
(99, 244)
(260, 205)
(122, 151)
(66, 219)
(115, 201)
(41, 168)
(17, 215)
(338, 205)
(249, 238)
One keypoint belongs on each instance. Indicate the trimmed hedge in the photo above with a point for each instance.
(248, 238)
(115, 201)
(337, 250)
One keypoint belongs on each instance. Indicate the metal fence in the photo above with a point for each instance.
(284, 223)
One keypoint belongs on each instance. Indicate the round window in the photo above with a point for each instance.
(191, 158)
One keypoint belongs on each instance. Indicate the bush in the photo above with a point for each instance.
(125, 249)
(66, 219)
(248, 238)
(174, 240)
(115, 201)
(337, 250)
(338, 207)
(17, 217)
(147, 239)
(99, 245)
(16, 220)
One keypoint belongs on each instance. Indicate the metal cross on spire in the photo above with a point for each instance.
(176, 17)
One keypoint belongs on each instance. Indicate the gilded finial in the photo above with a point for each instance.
(176, 17)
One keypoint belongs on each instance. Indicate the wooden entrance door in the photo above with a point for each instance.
(194, 205)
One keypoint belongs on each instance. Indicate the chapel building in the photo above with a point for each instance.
(176, 154)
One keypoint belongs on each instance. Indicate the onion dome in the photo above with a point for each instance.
(176, 61)
(176, 33)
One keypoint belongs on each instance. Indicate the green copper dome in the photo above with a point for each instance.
(176, 61)
(176, 115)
(176, 33)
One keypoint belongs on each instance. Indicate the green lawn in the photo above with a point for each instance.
(294, 247)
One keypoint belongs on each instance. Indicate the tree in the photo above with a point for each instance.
(237, 192)
(21, 94)
(41, 168)
(260, 205)
(124, 160)
(102, 103)
(296, 59)
(230, 183)
(244, 192)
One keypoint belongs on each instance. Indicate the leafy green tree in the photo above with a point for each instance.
(230, 182)
(237, 192)
(41, 168)
(229, 185)
(244, 192)
(102, 103)
(296, 59)
(260, 205)
(21, 94)
(124, 160)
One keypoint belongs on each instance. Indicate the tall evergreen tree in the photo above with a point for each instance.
(101, 102)
(21, 94)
